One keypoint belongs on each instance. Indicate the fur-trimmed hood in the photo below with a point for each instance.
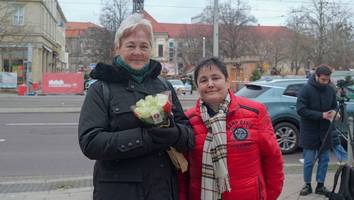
(117, 74)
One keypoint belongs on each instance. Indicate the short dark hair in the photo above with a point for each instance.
(208, 63)
(323, 70)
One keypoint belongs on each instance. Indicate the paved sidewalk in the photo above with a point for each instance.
(72, 191)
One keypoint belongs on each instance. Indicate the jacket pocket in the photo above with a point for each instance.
(123, 118)
(245, 189)
(122, 176)
(259, 187)
(120, 185)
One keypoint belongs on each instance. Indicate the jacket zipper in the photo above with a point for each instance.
(260, 188)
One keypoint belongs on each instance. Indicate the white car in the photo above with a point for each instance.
(178, 86)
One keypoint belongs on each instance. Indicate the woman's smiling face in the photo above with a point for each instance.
(135, 49)
(212, 85)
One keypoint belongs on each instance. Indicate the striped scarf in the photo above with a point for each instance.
(215, 175)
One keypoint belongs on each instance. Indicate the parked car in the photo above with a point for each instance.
(178, 86)
(279, 95)
(188, 88)
(89, 82)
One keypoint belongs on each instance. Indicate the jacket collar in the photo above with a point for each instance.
(117, 74)
(313, 82)
(233, 106)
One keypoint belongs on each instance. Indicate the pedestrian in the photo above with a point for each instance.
(236, 154)
(315, 105)
(131, 159)
(338, 149)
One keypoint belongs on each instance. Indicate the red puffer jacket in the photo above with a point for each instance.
(255, 163)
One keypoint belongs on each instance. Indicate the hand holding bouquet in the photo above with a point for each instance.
(156, 111)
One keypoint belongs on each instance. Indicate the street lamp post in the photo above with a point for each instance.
(28, 65)
(203, 47)
(216, 29)
(349, 145)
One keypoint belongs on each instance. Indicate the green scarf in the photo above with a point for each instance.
(137, 75)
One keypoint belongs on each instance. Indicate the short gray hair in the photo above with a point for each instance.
(130, 24)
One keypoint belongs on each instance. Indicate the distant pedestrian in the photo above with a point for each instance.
(338, 150)
(315, 105)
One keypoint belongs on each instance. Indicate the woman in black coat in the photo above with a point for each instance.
(131, 159)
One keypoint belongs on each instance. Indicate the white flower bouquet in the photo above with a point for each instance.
(155, 110)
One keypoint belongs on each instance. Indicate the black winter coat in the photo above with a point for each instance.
(312, 101)
(130, 165)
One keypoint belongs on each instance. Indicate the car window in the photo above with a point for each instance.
(176, 82)
(251, 91)
(293, 90)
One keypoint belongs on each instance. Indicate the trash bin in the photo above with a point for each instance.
(21, 90)
(35, 86)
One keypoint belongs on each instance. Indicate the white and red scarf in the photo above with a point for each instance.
(215, 175)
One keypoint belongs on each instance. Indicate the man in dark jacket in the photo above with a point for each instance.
(315, 105)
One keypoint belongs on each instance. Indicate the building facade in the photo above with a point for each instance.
(32, 33)
(87, 44)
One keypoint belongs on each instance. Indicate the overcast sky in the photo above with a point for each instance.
(267, 12)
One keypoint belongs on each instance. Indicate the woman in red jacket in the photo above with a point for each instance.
(236, 154)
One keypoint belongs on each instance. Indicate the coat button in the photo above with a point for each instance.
(116, 109)
(122, 146)
(137, 141)
(162, 165)
(159, 154)
(130, 144)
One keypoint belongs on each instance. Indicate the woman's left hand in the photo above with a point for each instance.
(168, 136)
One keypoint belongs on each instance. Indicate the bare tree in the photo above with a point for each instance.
(234, 16)
(300, 47)
(340, 34)
(327, 25)
(5, 11)
(98, 45)
(112, 15)
(190, 47)
(11, 36)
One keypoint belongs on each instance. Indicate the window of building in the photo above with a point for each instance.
(171, 51)
(18, 18)
(160, 49)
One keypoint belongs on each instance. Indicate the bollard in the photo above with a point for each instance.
(349, 146)
(35, 86)
(21, 89)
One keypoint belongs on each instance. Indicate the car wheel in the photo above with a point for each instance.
(287, 136)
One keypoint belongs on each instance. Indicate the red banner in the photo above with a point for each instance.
(63, 83)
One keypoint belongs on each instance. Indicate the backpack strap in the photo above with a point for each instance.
(336, 176)
(106, 96)
(164, 82)
(343, 192)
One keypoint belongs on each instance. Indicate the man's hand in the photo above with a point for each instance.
(328, 115)
(338, 115)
